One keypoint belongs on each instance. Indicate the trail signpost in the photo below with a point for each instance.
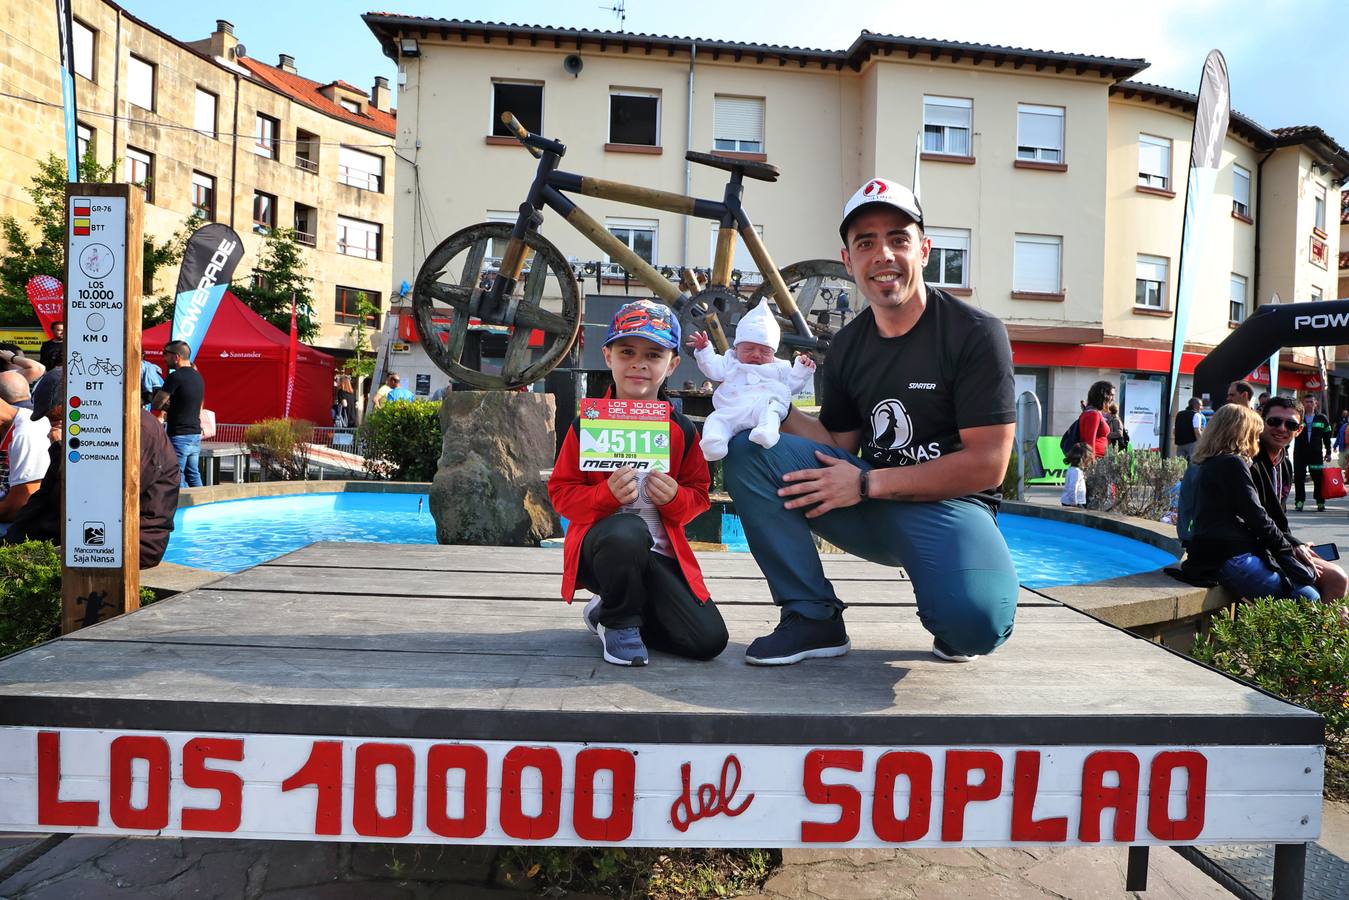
(101, 453)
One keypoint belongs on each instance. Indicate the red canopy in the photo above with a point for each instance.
(243, 362)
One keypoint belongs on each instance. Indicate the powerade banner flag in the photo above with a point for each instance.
(47, 296)
(1206, 151)
(209, 261)
(64, 34)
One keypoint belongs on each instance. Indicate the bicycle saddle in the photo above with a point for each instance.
(760, 170)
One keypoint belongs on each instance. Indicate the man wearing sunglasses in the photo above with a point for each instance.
(1272, 472)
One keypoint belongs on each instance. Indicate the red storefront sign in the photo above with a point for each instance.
(407, 329)
(1133, 359)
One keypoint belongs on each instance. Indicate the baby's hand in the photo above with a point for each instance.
(661, 488)
(805, 362)
(623, 485)
(698, 340)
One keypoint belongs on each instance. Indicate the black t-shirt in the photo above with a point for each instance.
(186, 391)
(910, 395)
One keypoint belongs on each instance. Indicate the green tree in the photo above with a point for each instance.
(362, 362)
(278, 276)
(40, 249)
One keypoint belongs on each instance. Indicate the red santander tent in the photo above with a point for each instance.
(243, 362)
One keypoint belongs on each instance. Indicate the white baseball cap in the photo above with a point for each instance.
(881, 191)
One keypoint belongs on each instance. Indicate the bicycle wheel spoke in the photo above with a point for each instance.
(808, 292)
(451, 294)
(472, 271)
(542, 319)
(518, 351)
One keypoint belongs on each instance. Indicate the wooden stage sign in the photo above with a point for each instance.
(295, 787)
(100, 577)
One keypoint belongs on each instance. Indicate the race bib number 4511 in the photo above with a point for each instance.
(618, 433)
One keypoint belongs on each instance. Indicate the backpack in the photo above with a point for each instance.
(1187, 509)
(1071, 437)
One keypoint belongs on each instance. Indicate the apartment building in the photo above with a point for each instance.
(200, 125)
(1053, 183)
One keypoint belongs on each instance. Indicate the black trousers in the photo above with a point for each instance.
(1300, 467)
(644, 589)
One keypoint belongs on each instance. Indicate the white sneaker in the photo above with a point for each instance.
(943, 651)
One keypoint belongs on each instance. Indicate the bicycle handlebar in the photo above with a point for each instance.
(521, 133)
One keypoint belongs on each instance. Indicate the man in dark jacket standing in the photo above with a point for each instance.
(182, 396)
(52, 353)
(1310, 449)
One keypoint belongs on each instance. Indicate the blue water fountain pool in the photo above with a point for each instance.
(232, 535)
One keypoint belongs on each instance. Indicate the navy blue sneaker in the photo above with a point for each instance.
(797, 638)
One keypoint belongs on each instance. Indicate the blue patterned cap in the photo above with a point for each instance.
(645, 319)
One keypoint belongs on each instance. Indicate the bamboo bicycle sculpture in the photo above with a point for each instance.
(456, 278)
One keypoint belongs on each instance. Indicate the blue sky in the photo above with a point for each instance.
(1280, 53)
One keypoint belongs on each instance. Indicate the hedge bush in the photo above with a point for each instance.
(30, 595)
(1134, 482)
(1298, 650)
(281, 446)
(401, 440)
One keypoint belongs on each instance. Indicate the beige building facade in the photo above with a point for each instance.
(200, 125)
(1053, 185)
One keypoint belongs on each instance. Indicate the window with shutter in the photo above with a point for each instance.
(1151, 282)
(1154, 162)
(1039, 133)
(1237, 300)
(204, 117)
(140, 88)
(360, 169)
(1036, 265)
(739, 124)
(948, 263)
(946, 125)
(1241, 191)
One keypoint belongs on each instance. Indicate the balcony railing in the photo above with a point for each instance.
(304, 237)
(309, 165)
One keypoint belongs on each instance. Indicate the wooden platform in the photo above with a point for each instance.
(474, 642)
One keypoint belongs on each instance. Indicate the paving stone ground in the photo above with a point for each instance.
(92, 868)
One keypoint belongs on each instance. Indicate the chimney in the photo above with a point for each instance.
(223, 40)
(286, 63)
(380, 96)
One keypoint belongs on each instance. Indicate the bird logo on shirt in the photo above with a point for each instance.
(890, 425)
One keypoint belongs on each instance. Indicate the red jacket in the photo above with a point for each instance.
(1093, 429)
(583, 498)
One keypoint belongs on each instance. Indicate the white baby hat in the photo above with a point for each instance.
(759, 327)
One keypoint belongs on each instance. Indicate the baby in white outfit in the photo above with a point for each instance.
(756, 388)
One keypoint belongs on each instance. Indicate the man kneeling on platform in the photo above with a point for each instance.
(922, 384)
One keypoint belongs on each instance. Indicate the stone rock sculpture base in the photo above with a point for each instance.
(488, 488)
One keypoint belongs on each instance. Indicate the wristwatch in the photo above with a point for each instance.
(863, 478)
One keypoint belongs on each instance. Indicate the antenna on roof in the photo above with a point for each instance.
(618, 10)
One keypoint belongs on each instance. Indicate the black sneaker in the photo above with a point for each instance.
(1320, 507)
(797, 638)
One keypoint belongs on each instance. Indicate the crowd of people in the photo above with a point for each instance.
(32, 424)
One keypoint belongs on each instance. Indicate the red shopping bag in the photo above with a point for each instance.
(1332, 482)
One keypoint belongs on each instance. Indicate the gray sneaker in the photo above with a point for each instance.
(622, 646)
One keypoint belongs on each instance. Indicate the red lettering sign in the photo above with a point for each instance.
(1096, 797)
(513, 819)
(713, 800)
(618, 825)
(323, 770)
(1164, 765)
(917, 767)
(472, 761)
(51, 809)
(230, 787)
(155, 751)
(959, 793)
(1025, 786)
(846, 797)
(365, 817)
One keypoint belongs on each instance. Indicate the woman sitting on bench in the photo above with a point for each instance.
(1234, 540)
